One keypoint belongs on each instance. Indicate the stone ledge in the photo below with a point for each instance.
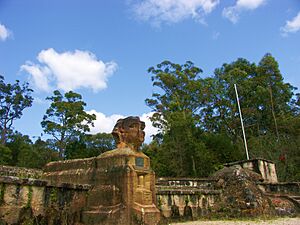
(20, 172)
(247, 160)
(187, 192)
(42, 183)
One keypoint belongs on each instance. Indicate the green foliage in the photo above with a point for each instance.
(221, 146)
(14, 98)
(88, 145)
(179, 91)
(199, 122)
(20, 151)
(5, 155)
(18, 144)
(176, 107)
(66, 118)
(53, 196)
(263, 96)
(29, 197)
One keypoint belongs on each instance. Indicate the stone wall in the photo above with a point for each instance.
(186, 197)
(116, 188)
(265, 168)
(291, 188)
(123, 186)
(33, 201)
(20, 172)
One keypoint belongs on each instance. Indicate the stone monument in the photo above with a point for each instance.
(123, 183)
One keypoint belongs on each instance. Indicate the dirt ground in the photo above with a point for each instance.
(281, 221)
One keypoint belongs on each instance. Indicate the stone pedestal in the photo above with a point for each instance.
(123, 190)
(123, 186)
(132, 186)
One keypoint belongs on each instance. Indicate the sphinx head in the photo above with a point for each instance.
(129, 132)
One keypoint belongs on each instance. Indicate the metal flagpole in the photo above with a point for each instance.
(241, 117)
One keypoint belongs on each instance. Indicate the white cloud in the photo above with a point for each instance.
(105, 124)
(291, 26)
(149, 129)
(4, 32)
(39, 75)
(232, 13)
(69, 70)
(172, 11)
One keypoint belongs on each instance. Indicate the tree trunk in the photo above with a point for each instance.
(3, 136)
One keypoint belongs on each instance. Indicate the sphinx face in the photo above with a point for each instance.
(133, 134)
(130, 132)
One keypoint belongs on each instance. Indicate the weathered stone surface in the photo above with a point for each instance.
(31, 201)
(118, 187)
(20, 172)
(129, 132)
(123, 184)
(241, 195)
(186, 198)
(265, 168)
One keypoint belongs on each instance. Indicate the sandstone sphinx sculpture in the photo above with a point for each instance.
(123, 184)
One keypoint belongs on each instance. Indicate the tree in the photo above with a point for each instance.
(220, 114)
(177, 106)
(5, 155)
(37, 155)
(14, 98)
(18, 143)
(90, 145)
(180, 91)
(263, 96)
(277, 94)
(66, 118)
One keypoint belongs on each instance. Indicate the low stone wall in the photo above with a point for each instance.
(33, 201)
(290, 188)
(186, 197)
(76, 171)
(20, 172)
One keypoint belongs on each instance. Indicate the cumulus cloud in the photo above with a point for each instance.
(291, 26)
(39, 75)
(105, 124)
(149, 129)
(69, 70)
(232, 13)
(4, 32)
(172, 11)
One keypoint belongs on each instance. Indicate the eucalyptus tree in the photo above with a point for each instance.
(177, 104)
(14, 98)
(66, 118)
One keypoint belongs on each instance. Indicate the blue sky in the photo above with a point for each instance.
(102, 49)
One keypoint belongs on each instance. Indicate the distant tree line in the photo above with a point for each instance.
(65, 121)
(199, 123)
(197, 117)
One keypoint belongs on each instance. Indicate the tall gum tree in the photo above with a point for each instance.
(177, 103)
(14, 98)
(66, 118)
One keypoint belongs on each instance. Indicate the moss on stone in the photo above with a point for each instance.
(53, 195)
(29, 197)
